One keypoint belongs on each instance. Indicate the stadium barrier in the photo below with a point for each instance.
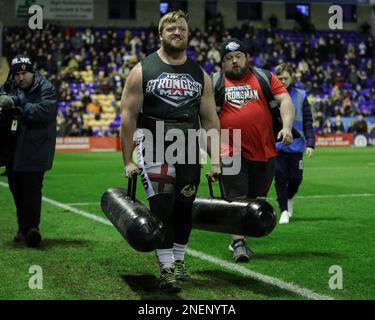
(87, 144)
(334, 140)
(103, 144)
(345, 140)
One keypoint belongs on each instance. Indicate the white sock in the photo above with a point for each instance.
(164, 257)
(179, 251)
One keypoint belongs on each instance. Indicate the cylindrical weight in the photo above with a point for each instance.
(254, 218)
(133, 220)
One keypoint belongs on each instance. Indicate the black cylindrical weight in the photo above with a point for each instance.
(133, 220)
(254, 218)
(260, 218)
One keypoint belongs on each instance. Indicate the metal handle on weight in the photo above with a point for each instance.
(132, 187)
(221, 186)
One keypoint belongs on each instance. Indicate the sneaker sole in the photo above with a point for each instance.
(183, 279)
(242, 259)
(170, 289)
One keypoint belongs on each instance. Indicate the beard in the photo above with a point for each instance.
(173, 47)
(236, 74)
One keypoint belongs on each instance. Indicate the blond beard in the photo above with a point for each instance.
(170, 48)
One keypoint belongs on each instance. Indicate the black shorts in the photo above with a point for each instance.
(160, 177)
(253, 181)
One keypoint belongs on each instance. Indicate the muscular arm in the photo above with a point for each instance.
(286, 110)
(210, 120)
(131, 104)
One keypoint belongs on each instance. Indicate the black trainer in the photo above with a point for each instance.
(33, 238)
(19, 237)
(168, 282)
(180, 272)
(241, 251)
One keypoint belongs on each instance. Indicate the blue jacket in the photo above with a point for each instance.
(303, 123)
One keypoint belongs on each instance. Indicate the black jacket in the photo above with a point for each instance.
(32, 147)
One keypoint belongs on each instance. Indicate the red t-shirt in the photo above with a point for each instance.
(246, 108)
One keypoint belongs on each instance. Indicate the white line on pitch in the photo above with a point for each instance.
(222, 263)
(307, 293)
(77, 204)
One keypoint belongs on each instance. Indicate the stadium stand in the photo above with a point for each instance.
(90, 67)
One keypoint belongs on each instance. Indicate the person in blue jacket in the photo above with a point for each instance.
(289, 162)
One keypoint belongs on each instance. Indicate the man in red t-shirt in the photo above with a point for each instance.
(245, 107)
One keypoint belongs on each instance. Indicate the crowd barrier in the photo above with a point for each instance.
(334, 140)
(102, 144)
(87, 144)
(345, 140)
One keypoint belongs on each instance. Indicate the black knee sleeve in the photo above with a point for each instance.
(187, 182)
(182, 221)
(161, 206)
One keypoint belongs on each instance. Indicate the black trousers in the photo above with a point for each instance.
(26, 188)
(288, 177)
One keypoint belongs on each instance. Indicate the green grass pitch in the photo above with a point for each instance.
(333, 224)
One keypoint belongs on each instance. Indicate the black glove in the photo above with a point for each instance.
(6, 102)
(19, 98)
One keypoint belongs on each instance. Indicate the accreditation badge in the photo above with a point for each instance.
(14, 125)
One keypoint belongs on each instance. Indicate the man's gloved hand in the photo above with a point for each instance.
(6, 103)
(131, 168)
(19, 98)
(214, 172)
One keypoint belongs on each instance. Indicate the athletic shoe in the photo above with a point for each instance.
(167, 281)
(290, 207)
(19, 237)
(284, 217)
(33, 238)
(241, 251)
(180, 271)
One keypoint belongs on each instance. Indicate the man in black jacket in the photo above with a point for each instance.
(28, 126)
